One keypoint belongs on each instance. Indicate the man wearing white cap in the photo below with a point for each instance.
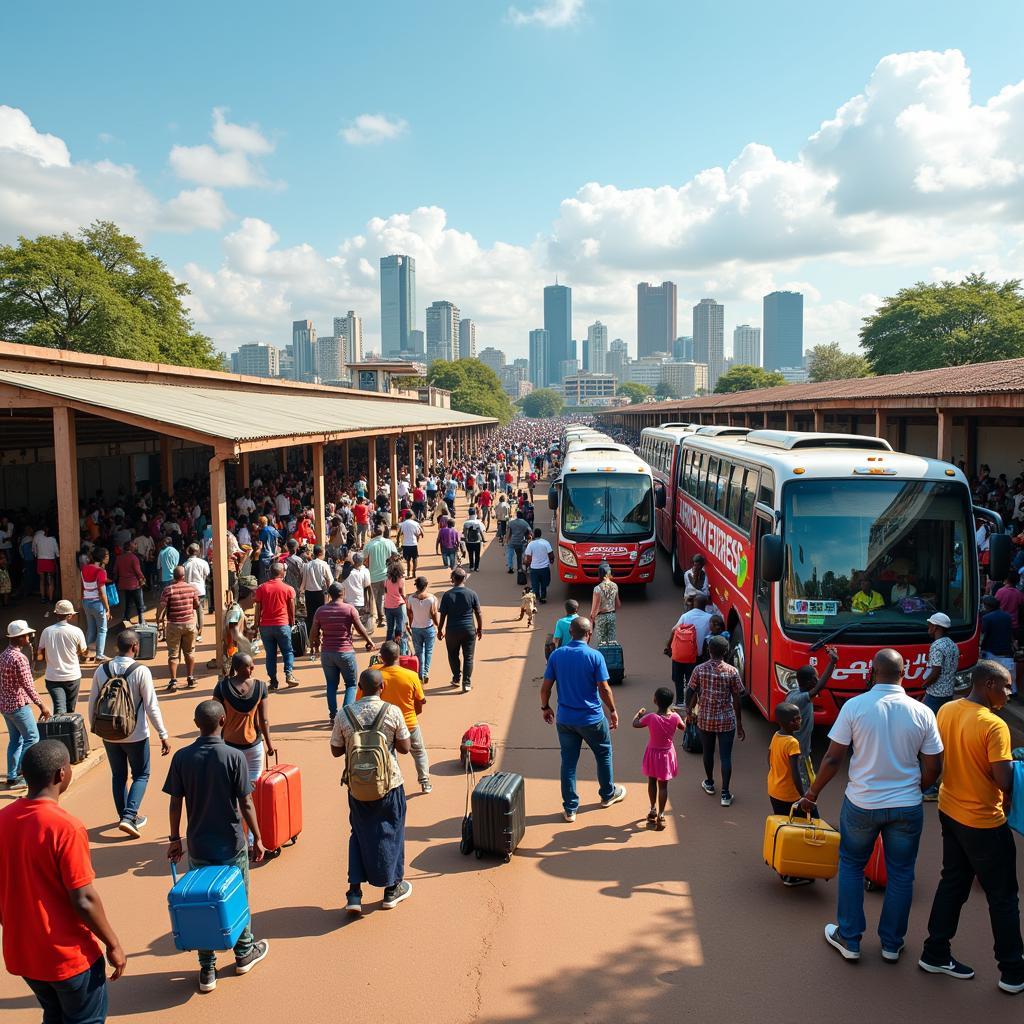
(940, 678)
(17, 692)
(62, 644)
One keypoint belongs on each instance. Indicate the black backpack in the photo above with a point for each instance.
(471, 533)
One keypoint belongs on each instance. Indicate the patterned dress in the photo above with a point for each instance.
(604, 624)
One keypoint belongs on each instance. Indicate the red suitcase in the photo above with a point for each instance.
(409, 661)
(278, 801)
(875, 875)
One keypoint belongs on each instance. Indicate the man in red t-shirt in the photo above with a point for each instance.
(50, 911)
(361, 515)
(274, 617)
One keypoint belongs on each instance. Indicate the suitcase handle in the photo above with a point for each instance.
(174, 872)
(793, 813)
(470, 782)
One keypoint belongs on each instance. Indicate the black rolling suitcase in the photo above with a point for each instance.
(615, 661)
(147, 641)
(499, 814)
(70, 730)
(300, 639)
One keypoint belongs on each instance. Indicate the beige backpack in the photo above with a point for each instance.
(368, 769)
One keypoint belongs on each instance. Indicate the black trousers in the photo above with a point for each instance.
(989, 855)
(314, 600)
(473, 551)
(461, 642)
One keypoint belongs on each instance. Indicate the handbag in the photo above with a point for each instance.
(113, 597)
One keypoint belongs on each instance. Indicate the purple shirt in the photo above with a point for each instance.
(448, 538)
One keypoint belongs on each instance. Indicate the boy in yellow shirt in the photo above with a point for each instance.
(784, 785)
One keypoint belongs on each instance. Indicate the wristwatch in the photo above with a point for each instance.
(545, 707)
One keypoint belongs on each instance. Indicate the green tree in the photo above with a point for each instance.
(666, 390)
(830, 362)
(475, 387)
(542, 404)
(947, 324)
(636, 393)
(98, 292)
(747, 378)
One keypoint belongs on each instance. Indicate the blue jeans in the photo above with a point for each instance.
(449, 557)
(935, 703)
(338, 666)
(423, 640)
(540, 580)
(514, 553)
(277, 638)
(599, 739)
(95, 625)
(900, 828)
(395, 626)
(21, 734)
(208, 957)
(122, 757)
(80, 999)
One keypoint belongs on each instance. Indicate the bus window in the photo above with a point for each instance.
(702, 475)
(722, 490)
(762, 589)
(749, 497)
(766, 493)
(734, 511)
(711, 483)
(692, 473)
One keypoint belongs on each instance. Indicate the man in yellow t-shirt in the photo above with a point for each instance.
(867, 599)
(402, 687)
(976, 840)
(784, 785)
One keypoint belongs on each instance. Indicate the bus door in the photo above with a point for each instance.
(758, 653)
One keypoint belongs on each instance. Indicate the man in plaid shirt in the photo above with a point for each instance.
(17, 695)
(716, 688)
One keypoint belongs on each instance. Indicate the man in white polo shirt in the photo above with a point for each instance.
(62, 644)
(897, 754)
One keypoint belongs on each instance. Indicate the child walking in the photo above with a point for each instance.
(660, 762)
(785, 786)
(528, 605)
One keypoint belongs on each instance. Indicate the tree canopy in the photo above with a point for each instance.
(542, 404)
(474, 386)
(830, 362)
(636, 393)
(666, 390)
(947, 324)
(747, 378)
(98, 292)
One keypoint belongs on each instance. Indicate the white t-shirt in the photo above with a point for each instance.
(700, 619)
(421, 609)
(246, 506)
(411, 532)
(539, 552)
(887, 729)
(197, 572)
(62, 642)
(354, 584)
(403, 488)
(46, 547)
(282, 504)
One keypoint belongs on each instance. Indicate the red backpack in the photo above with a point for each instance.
(684, 644)
(477, 748)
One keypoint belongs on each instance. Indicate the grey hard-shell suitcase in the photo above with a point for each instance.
(499, 814)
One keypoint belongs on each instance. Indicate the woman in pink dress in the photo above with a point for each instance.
(660, 762)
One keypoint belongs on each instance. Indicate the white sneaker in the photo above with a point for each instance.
(616, 797)
(570, 816)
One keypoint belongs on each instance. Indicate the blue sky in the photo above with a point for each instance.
(492, 118)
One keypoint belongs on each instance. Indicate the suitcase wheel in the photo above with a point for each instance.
(295, 839)
(479, 854)
(508, 857)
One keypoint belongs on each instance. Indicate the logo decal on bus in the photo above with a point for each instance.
(717, 542)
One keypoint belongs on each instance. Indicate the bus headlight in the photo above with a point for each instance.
(962, 680)
(785, 678)
(647, 557)
(566, 557)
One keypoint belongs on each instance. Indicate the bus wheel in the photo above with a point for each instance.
(677, 574)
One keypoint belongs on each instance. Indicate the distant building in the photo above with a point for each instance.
(492, 357)
(330, 358)
(617, 361)
(655, 318)
(350, 329)
(746, 346)
(709, 338)
(523, 365)
(588, 388)
(467, 339)
(442, 330)
(304, 350)
(514, 379)
(539, 340)
(418, 343)
(783, 330)
(585, 361)
(397, 304)
(558, 324)
(385, 376)
(257, 359)
(686, 379)
(287, 363)
(682, 349)
(597, 336)
(647, 370)
(794, 374)
(566, 368)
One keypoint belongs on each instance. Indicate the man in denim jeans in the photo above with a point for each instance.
(274, 618)
(897, 753)
(581, 675)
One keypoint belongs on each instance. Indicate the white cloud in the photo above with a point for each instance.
(196, 208)
(241, 138)
(551, 14)
(230, 162)
(18, 136)
(370, 129)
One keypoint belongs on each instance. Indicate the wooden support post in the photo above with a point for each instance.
(790, 420)
(971, 455)
(819, 420)
(282, 454)
(65, 451)
(882, 424)
(371, 459)
(319, 498)
(346, 466)
(393, 467)
(425, 450)
(944, 442)
(219, 547)
(166, 466)
(243, 470)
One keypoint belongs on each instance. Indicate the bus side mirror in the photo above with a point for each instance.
(660, 497)
(998, 556)
(771, 558)
(552, 498)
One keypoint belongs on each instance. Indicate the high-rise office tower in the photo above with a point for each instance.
(492, 357)
(350, 328)
(304, 350)
(655, 318)
(597, 335)
(709, 338)
(783, 330)
(417, 343)
(397, 304)
(330, 358)
(257, 359)
(442, 330)
(746, 346)
(585, 358)
(539, 357)
(682, 349)
(558, 324)
(617, 360)
(467, 339)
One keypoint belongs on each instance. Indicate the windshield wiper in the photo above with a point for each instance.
(829, 637)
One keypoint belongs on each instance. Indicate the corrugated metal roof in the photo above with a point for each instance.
(245, 413)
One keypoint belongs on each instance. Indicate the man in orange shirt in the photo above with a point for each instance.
(50, 910)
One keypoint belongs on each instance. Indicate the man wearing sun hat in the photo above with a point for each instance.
(63, 645)
(940, 676)
(17, 692)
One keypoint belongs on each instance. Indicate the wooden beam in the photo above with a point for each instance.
(65, 451)
(819, 420)
(944, 441)
(371, 459)
(243, 471)
(319, 498)
(393, 471)
(166, 465)
(218, 549)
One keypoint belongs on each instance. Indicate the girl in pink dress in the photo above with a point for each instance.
(660, 762)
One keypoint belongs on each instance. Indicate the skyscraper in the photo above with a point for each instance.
(655, 318)
(467, 339)
(442, 330)
(682, 349)
(617, 361)
(257, 359)
(709, 338)
(783, 330)
(350, 329)
(539, 340)
(558, 324)
(746, 346)
(597, 335)
(304, 350)
(330, 358)
(417, 343)
(585, 359)
(397, 304)
(492, 357)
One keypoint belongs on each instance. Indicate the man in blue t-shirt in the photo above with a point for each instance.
(581, 675)
(560, 637)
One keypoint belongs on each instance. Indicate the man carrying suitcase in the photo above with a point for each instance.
(584, 695)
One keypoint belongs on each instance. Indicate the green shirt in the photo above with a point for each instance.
(377, 552)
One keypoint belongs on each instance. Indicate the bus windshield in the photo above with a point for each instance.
(599, 505)
(875, 551)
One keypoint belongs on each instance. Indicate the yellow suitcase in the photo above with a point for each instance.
(804, 847)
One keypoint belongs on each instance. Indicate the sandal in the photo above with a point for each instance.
(660, 825)
(652, 816)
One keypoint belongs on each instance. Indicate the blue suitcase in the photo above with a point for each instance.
(209, 907)
(615, 661)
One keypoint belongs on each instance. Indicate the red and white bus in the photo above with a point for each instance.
(604, 507)
(793, 525)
